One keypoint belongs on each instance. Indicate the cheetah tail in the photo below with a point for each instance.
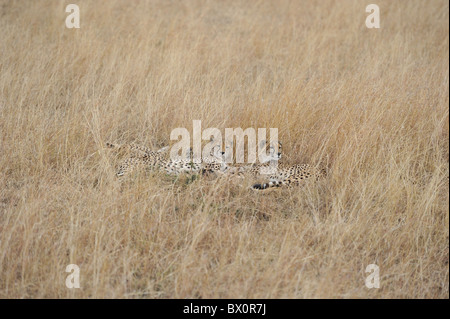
(268, 185)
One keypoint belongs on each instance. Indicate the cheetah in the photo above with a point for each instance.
(289, 175)
(279, 174)
(151, 160)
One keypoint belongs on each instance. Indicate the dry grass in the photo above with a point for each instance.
(372, 104)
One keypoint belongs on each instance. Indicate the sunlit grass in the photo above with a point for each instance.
(371, 105)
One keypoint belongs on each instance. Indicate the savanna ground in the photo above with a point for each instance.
(371, 104)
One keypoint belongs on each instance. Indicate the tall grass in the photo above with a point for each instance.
(371, 104)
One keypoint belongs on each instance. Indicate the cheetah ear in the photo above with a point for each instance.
(213, 141)
(262, 143)
(216, 150)
(279, 145)
(272, 151)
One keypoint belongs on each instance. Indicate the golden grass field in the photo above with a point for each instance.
(370, 104)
